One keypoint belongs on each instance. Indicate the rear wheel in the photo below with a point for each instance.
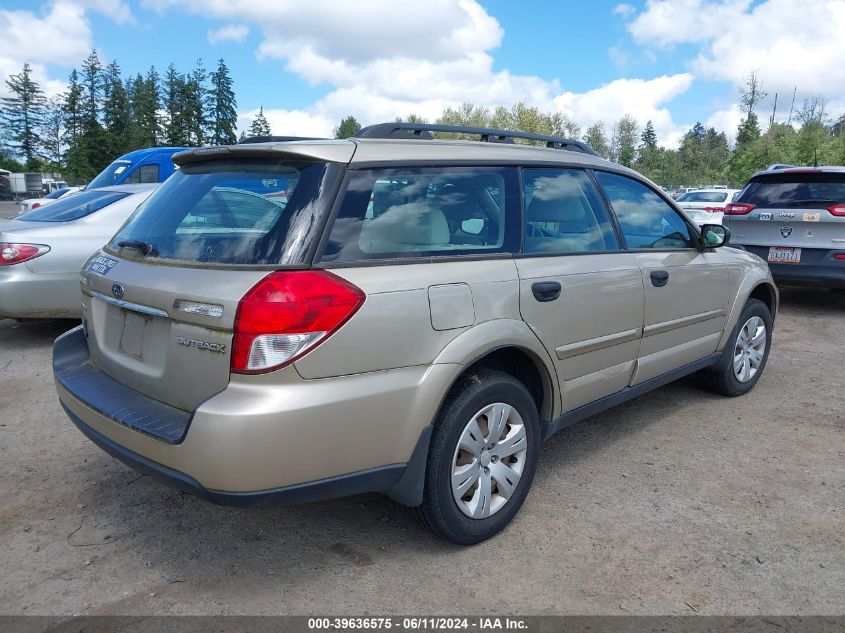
(748, 350)
(482, 459)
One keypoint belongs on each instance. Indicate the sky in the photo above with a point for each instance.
(309, 64)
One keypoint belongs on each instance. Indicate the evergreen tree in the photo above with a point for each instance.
(22, 115)
(53, 133)
(92, 81)
(194, 103)
(348, 126)
(144, 104)
(224, 117)
(596, 138)
(73, 107)
(649, 136)
(175, 96)
(260, 126)
(115, 113)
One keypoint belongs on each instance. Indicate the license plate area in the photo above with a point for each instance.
(784, 255)
(132, 334)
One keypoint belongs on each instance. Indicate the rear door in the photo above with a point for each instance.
(579, 292)
(160, 300)
(687, 291)
(785, 217)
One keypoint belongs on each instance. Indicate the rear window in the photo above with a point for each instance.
(424, 211)
(230, 212)
(111, 174)
(704, 196)
(74, 207)
(812, 190)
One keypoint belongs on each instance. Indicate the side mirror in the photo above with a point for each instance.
(715, 235)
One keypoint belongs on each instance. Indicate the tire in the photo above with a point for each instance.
(729, 378)
(502, 469)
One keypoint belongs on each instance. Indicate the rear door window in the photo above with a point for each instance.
(564, 213)
(425, 211)
(646, 219)
(251, 212)
(809, 190)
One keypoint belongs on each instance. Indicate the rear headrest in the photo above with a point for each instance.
(568, 209)
(414, 223)
(459, 201)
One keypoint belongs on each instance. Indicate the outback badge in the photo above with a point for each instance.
(211, 347)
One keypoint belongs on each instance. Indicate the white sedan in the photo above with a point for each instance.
(706, 206)
(42, 251)
(36, 203)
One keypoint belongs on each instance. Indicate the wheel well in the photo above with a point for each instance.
(766, 294)
(523, 366)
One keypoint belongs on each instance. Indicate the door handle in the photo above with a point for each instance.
(659, 278)
(546, 290)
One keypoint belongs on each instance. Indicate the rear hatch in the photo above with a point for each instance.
(788, 211)
(160, 299)
(705, 207)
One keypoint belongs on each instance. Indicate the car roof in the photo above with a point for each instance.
(148, 151)
(358, 151)
(830, 169)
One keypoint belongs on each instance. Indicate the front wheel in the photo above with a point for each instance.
(482, 459)
(748, 348)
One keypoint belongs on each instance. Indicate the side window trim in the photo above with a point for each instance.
(602, 199)
(695, 232)
(620, 236)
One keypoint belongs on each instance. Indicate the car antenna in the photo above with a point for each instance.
(815, 157)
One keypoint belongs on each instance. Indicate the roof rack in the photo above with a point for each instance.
(422, 131)
(278, 139)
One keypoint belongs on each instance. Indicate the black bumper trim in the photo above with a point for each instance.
(381, 479)
(73, 369)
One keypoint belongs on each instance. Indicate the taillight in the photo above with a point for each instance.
(839, 256)
(287, 314)
(738, 208)
(714, 209)
(17, 253)
(837, 210)
(35, 205)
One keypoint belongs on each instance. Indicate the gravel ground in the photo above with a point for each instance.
(679, 502)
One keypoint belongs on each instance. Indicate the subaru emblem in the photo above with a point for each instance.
(117, 290)
(785, 231)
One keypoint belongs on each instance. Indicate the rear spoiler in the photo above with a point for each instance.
(329, 151)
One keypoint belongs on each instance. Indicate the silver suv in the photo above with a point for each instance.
(298, 320)
(795, 218)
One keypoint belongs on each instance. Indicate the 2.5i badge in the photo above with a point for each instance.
(101, 265)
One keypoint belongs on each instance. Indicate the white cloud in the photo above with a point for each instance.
(228, 33)
(788, 43)
(643, 99)
(61, 35)
(726, 120)
(290, 122)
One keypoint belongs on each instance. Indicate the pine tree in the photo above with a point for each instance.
(53, 133)
(649, 136)
(347, 127)
(144, 104)
(92, 80)
(195, 98)
(73, 110)
(115, 112)
(175, 93)
(22, 115)
(224, 116)
(260, 126)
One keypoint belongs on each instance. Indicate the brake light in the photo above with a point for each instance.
(287, 314)
(714, 209)
(17, 253)
(839, 256)
(35, 205)
(837, 209)
(738, 208)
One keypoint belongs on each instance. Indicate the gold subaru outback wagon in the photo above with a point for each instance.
(295, 319)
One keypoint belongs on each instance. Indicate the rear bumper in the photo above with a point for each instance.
(257, 441)
(817, 268)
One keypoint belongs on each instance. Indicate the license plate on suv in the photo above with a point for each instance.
(784, 255)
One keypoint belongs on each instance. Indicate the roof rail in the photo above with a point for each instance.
(278, 139)
(422, 131)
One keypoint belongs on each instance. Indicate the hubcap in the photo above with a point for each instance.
(489, 460)
(750, 349)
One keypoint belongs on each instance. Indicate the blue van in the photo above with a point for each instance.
(153, 164)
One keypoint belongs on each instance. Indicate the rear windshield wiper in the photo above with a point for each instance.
(146, 248)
